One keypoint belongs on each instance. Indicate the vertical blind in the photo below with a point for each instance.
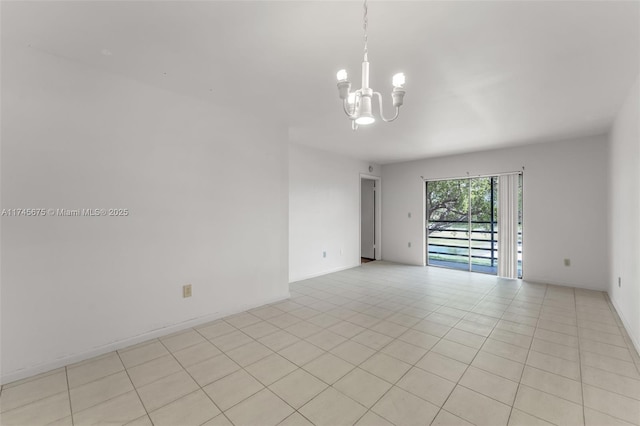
(508, 225)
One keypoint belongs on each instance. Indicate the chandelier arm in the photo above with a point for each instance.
(388, 120)
(345, 106)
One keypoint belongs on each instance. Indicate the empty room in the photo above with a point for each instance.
(260, 213)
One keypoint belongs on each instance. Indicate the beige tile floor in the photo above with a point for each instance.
(381, 344)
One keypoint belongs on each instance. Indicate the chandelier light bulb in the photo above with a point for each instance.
(398, 80)
(342, 75)
(363, 120)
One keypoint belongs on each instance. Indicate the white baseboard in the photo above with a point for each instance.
(129, 341)
(625, 323)
(319, 274)
(563, 284)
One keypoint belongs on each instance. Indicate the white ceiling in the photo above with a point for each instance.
(480, 74)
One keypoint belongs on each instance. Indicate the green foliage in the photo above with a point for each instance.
(448, 202)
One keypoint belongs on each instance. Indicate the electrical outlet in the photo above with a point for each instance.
(324, 254)
(186, 290)
(619, 282)
(409, 244)
(567, 262)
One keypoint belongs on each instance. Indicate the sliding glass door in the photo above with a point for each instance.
(463, 224)
(448, 223)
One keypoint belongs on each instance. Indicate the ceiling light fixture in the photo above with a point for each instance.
(358, 105)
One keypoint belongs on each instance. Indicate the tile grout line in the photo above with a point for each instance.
(96, 380)
(384, 288)
(609, 390)
(463, 373)
(584, 414)
(297, 410)
(635, 356)
(134, 387)
(66, 376)
(297, 368)
(546, 287)
(398, 380)
(474, 357)
(367, 409)
(494, 327)
(35, 400)
(378, 351)
(606, 390)
(200, 388)
(579, 366)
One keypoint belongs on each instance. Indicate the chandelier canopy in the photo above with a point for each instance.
(358, 104)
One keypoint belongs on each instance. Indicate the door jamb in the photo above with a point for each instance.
(377, 211)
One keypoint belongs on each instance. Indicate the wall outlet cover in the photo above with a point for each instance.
(186, 290)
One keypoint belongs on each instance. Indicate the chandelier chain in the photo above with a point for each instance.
(364, 26)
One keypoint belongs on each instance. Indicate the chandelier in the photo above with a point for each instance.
(358, 104)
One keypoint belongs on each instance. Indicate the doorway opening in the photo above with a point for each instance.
(475, 224)
(370, 248)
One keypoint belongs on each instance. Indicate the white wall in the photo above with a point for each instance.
(565, 209)
(207, 197)
(324, 211)
(625, 214)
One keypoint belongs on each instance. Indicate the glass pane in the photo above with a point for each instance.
(483, 222)
(520, 227)
(448, 223)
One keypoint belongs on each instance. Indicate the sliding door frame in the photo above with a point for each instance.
(468, 177)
